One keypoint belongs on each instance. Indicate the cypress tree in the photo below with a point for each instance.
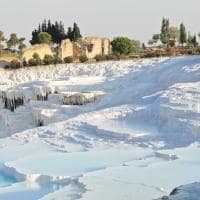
(57, 32)
(49, 27)
(70, 33)
(164, 36)
(44, 26)
(35, 39)
(183, 34)
(76, 33)
(194, 41)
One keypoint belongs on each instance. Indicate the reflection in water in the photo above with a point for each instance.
(24, 191)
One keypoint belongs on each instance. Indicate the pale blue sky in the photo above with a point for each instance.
(137, 19)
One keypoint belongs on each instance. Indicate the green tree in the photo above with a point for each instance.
(150, 42)
(44, 37)
(2, 39)
(48, 59)
(21, 44)
(183, 34)
(189, 39)
(13, 42)
(199, 35)
(122, 45)
(35, 39)
(136, 46)
(70, 33)
(155, 39)
(76, 34)
(164, 36)
(174, 33)
(192, 40)
(56, 30)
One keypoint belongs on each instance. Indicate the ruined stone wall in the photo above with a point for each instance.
(40, 49)
(66, 49)
(106, 46)
(97, 46)
(93, 46)
(89, 46)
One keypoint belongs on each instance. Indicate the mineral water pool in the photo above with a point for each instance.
(24, 191)
(11, 189)
(6, 180)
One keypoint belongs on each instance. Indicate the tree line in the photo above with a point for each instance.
(170, 36)
(48, 32)
(122, 47)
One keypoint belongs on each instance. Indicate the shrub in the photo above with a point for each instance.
(37, 60)
(31, 62)
(83, 59)
(68, 59)
(111, 57)
(7, 67)
(14, 64)
(99, 58)
(48, 59)
(57, 60)
(36, 56)
(122, 45)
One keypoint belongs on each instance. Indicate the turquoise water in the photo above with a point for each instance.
(23, 191)
(6, 180)
(3, 63)
(10, 189)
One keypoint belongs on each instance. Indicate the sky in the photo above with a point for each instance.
(137, 19)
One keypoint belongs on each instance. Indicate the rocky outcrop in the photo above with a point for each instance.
(40, 49)
(185, 192)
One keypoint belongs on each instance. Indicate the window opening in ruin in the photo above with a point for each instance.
(103, 50)
(90, 47)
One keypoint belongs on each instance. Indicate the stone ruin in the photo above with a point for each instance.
(40, 49)
(66, 49)
(89, 46)
(97, 46)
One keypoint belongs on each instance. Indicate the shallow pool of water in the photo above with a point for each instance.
(24, 191)
(6, 180)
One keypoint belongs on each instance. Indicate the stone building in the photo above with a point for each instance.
(89, 46)
(40, 49)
